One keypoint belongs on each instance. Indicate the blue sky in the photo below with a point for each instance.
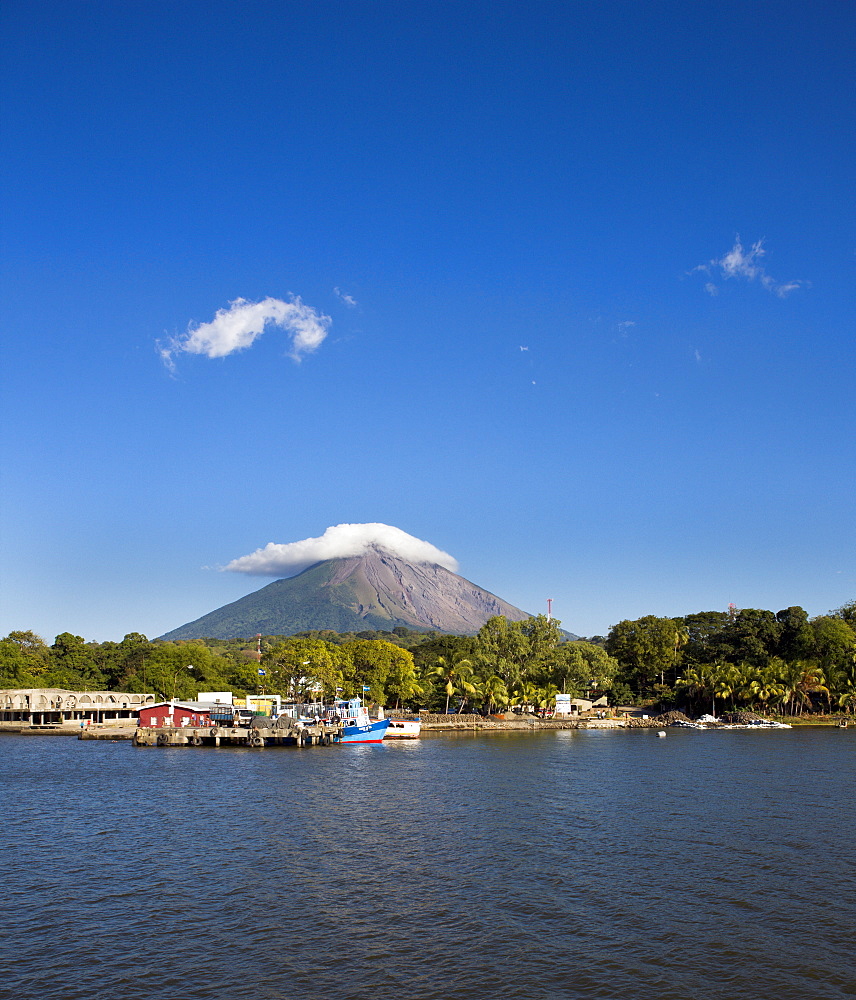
(440, 186)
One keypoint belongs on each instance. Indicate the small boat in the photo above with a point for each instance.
(356, 725)
(403, 729)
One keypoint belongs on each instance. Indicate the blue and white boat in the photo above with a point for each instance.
(357, 727)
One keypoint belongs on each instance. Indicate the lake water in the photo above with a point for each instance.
(565, 864)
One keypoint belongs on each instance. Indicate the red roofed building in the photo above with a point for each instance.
(176, 713)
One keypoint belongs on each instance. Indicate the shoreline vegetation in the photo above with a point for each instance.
(781, 665)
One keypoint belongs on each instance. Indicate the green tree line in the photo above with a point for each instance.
(784, 662)
(749, 658)
(526, 663)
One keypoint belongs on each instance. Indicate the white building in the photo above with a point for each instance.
(51, 706)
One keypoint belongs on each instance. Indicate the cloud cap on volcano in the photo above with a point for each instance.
(340, 541)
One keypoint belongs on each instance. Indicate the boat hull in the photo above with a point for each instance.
(403, 729)
(374, 732)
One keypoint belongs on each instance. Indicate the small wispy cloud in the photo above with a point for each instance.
(625, 325)
(746, 265)
(239, 326)
(340, 541)
(349, 300)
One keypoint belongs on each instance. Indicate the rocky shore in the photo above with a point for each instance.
(432, 722)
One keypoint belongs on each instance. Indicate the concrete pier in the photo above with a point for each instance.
(255, 736)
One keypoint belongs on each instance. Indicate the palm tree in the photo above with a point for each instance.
(485, 663)
(408, 686)
(547, 697)
(790, 675)
(845, 684)
(471, 687)
(495, 692)
(813, 681)
(524, 694)
(453, 671)
(726, 682)
(765, 685)
(696, 681)
(682, 637)
(847, 698)
(839, 675)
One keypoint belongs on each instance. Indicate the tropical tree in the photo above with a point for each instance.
(704, 628)
(847, 697)
(178, 669)
(297, 666)
(24, 658)
(643, 648)
(545, 698)
(506, 642)
(834, 641)
(474, 693)
(372, 662)
(682, 637)
(752, 635)
(402, 681)
(73, 663)
(495, 693)
(813, 682)
(797, 639)
(790, 677)
(580, 667)
(764, 685)
(847, 613)
(454, 674)
(698, 683)
(727, 679)
(525, 694)
(543, 637)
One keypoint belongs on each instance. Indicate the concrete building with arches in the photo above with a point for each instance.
(23, 707)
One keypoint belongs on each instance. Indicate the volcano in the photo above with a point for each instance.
(375, 590)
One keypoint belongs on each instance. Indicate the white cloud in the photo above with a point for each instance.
(739, 264)
(784, 290)
(239, 326)
(349, 300)
(625, 325)
(746, 264)
(339, 542)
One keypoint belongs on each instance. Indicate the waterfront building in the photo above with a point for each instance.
(179, 713)
(55, 706)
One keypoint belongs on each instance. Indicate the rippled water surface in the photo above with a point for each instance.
(565, 864)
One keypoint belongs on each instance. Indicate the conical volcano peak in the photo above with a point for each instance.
(351, 578)
(373, 590)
